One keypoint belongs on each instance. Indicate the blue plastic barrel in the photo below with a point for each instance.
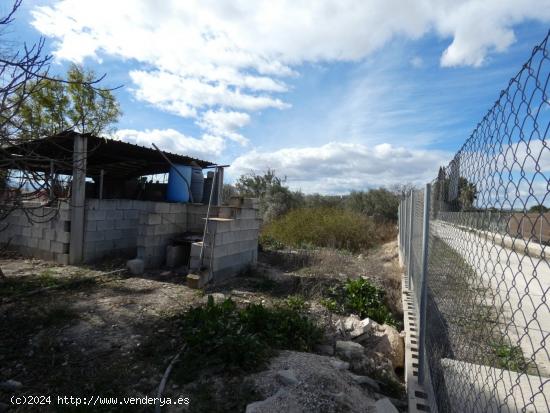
(197, 184)
(178, 189)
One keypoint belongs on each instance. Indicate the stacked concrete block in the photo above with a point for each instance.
(45, 235)
(196, 214)
(111, 227)
(231, 245)
(159, 223)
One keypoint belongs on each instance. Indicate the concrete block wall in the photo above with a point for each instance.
(232, 245)
(196, 214)
(47, 238)
(159, 223)
(111, 227)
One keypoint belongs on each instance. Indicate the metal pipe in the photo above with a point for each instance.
(175, 169)
(201, 256)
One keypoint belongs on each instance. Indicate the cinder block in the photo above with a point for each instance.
(227, 212)
(62, 259)
(162, 207)
(248, 213)
(98, 215)
(112, 234)
(251, 203)
(92, 204)
(146, 230)
(108, 204)
(235, 201)
(150, 241)
(32, 242)
(243, 258)
(139, 205)
(154, 219)
(197, 280)
(44, 245)
(195, 249)
(180, 219)
(123, 224)
(115, 215)
(131, 214)
(104, 245)
(37, 232)
(94, 236)
(91, 225)
(56, 247)
(105, 225)
(64, 215)
(62, 236)
(168, 218)
(178, 208)
(124, 204)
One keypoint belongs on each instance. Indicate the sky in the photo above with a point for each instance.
(335, 95)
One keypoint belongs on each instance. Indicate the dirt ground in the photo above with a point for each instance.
(97, 331)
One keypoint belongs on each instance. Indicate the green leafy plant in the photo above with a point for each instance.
(296, 302)
(224, 336)
(510, 357)
(270, 243)
(359, 297)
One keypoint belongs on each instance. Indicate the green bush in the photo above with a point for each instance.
(231, 338)
(362, 298)
(324, 227)
(510, 357)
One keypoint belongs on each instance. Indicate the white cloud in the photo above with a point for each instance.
(202, 55)
(207, 147)
(341, 167)
(184, 95)
(222, 123)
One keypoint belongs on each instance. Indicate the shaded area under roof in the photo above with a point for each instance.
(118, 159)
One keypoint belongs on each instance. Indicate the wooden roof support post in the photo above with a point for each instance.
(78, 199)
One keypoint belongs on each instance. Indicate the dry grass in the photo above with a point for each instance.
(315, 270)
(327, 227)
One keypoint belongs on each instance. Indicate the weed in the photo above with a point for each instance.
(268, 242)
(223, 336)
(510, 357)
(296, 302)
(323, 227)
(359, 297)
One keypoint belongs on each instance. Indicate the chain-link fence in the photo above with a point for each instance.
(474, 243)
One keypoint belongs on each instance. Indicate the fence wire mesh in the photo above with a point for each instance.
(487, 329)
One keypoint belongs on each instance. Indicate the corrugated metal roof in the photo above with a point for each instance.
(116, 158)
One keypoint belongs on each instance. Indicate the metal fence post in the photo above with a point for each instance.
(399, 224)
(424, 286)
(409, 237)
(404, 217)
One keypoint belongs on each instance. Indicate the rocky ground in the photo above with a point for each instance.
(95, 330)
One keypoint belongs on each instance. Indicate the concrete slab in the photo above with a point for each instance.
(475, 388)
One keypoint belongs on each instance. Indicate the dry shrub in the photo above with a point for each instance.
(326, 227)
